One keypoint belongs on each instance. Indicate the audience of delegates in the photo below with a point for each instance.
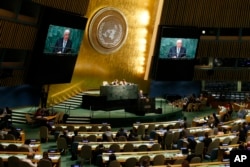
(107, 136)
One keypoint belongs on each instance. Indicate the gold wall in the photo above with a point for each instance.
(129, 62)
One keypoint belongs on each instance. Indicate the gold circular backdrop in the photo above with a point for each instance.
(108, 30)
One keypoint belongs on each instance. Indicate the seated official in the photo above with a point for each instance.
(46, 157)
(121, 132)
(27, 145)
(107, 136)
(207, 140)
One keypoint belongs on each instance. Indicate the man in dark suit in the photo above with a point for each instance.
(177, 51)
(64, 44)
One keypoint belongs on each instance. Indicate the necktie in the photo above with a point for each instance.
(64, 44)
(178, 52)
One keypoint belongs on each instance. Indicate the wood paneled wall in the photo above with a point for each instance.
(224, 49)
(239, 74)
(75, 6)
(206, 13)
(16, 36)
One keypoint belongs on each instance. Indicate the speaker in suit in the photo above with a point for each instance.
(58, 48)
(175, 53)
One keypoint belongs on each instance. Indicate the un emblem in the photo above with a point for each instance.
(108, 30)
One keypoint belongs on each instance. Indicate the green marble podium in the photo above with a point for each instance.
(120, 92)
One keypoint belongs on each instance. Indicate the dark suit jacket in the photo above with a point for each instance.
(173, 52)
(59, 46)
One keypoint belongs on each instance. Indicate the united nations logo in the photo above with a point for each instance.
(108, 30)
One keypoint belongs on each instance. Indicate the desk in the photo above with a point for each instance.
(35, 146)
(97, 134)
(55, 157)
(192, 130)
(119, 92)
(122, 156)
(227, 126)
(136, 144)
(204, 164)
(157, 124)
(226, 150)
(88, 126)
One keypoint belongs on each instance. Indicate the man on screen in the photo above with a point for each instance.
(64, 44)
(177, 51)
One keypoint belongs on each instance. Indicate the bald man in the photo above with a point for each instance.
(177, 51)
(64, 44)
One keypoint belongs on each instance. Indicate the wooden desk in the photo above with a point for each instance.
(193, 130)
(97, 134)
(122, 156)
(22, 134)
(55, 157)
(35, 146)
(226, 126)
(226, 150)
(76, 126)
(136, 144)
(165, 124)
(204, 164)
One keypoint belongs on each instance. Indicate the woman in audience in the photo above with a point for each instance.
(132, 135)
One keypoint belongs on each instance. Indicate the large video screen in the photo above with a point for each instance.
(178, 48)
(63, 40)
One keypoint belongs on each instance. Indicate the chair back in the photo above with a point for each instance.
(128, 147)
(70, 128)
(151, 127)
(122, 138)
(226, 141)
(94, 128)
(144, 158)
(130, 162)
(86, 152)
(156, 147)
(235, 140)
(92, 138)
(2, 147)
(10, 137)
(82, 129)
(13, 161)
(178, 161)
(168, 140)
(44, 132)
(1, 162)
(159, 160)
(114, 163)
(214, 154)
(11, 148)
(78, 138)
(62, 143)
(115, 147)
(212, 145)
(44, 162)
(177, 125)
(199, 148)
(23, 149)
(28, 118)
(24, 164)
(141, 130)
(104, 128)
(59, 128)
(142, 147)
(195, 160)
(176, 137)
